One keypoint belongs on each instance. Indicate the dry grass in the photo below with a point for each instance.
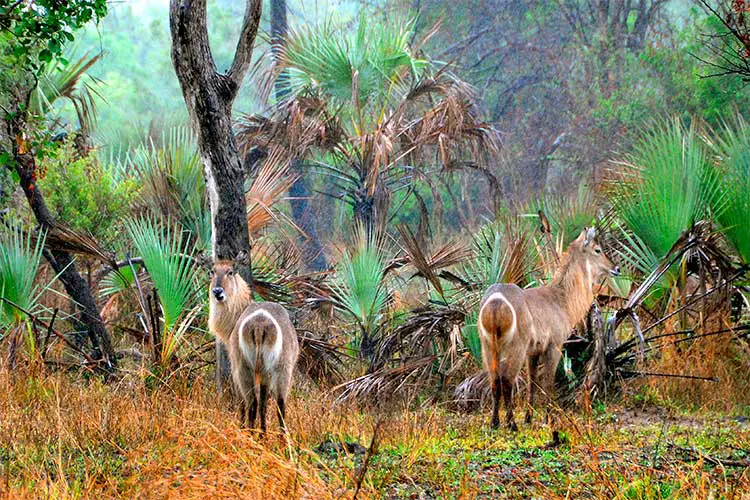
(65, 437)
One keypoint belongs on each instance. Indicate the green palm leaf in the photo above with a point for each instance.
(359, 288)
(732, 148)
(19, 263)
(169, 263)
(666, 185)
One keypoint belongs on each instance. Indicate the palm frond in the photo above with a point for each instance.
(167, 258)
(359, 287)
(665, 186)
(731, 146)
(20, 256)
(66, 81)
(266, 191)
(173, 185)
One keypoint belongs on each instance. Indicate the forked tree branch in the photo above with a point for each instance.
(244, 52)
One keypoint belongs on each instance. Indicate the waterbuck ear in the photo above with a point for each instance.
(582, 237)
(204, 261)
(242, 259)
(590, 235)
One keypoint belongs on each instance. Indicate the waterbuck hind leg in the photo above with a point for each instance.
(243, 412)
(262, 406)
(506, 385)
(252, 411)
(495, 387)
(533, 385)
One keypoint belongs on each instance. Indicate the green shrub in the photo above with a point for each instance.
(84, 195)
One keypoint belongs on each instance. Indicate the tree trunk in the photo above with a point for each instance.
(209, 96)
(299, 193)
(62, 262)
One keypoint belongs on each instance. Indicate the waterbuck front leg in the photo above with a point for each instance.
(533, 385)
(549, 361)
(281, 403)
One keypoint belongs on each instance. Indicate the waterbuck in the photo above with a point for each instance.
(261, 341)
(529, 326)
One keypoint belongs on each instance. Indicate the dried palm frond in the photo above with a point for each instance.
(448, 255)
(63, 238)
(295, 126)
(473, 393)
(382, 385)
(275, 266)
(426, 330)
(320, 360)
(268, 189)
(449, 123)
(71, 82)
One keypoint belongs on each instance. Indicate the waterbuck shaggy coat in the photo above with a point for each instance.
(529, 326)
(261, 341)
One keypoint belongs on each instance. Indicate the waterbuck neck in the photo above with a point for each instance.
(574, 282)
(223, 316)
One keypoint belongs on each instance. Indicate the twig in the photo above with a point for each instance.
(62, 337)
(49, 332)
(370, 451)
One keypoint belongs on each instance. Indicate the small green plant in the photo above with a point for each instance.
(20, 256)
(359, 288)
(169, 263)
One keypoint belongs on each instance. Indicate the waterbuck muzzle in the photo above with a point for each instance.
(219, 293)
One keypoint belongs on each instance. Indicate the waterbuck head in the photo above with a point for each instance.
(595, 262)
(226, 282)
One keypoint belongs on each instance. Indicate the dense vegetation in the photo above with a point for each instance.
(399, 158)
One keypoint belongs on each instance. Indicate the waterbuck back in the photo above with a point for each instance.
(263, 350)
(527, 327)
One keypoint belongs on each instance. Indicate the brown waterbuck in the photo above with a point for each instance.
(520, 327)
(261, 341)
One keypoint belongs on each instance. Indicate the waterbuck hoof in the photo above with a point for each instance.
(528, 418)
(495, 424)
(512, 426)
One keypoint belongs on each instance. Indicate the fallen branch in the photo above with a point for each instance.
(667, 375)
(694, 455)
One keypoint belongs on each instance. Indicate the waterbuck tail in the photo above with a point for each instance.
(259, 340)
(497, 318)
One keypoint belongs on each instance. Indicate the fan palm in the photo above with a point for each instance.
(661, 191)
(369, 110)
(68, 80)
(666, 185)
(732, 148)
(359, 288)
(170, 265)
(20, 257)
(171, 174)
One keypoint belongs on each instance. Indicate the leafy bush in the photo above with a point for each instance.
(82, 194)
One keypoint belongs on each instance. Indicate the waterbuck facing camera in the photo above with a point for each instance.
(261, 340)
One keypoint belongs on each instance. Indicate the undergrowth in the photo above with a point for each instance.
(64, 437)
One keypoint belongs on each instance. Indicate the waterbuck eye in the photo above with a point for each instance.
(598, 250)
(230, 273)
